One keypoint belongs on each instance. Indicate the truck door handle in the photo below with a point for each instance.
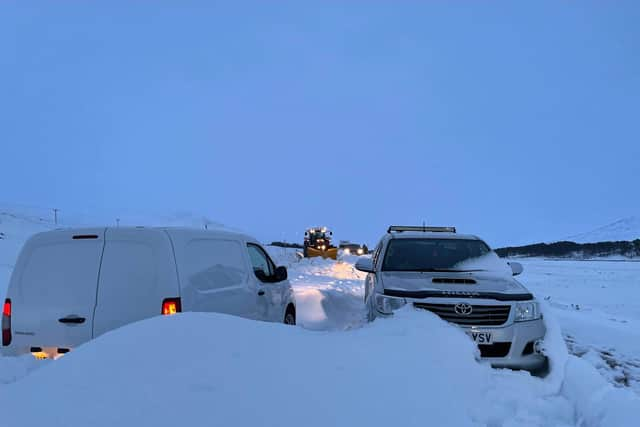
(260, 292)
(74, 320)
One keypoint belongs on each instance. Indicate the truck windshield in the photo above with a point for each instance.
(433, 254)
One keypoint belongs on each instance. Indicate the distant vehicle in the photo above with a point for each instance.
(70, 286)
(349, 248)
(317, 243)
(460, 279)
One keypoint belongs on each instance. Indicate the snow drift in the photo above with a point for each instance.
(211, 369)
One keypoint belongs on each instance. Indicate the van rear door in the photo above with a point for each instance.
(138, 272)
(53, 289)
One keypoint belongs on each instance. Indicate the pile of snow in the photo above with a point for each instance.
(197, 369)
(621, 230)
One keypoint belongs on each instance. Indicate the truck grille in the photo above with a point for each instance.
(481, 315)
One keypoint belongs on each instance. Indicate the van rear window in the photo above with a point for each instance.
(61, 273)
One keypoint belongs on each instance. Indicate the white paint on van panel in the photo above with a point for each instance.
(56, 277)
(137, 274)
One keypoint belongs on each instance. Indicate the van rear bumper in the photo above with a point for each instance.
(38, 352)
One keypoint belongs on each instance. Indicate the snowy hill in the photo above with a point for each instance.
(618, 240)
(623, 229)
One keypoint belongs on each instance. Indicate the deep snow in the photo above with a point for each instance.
(412, 369)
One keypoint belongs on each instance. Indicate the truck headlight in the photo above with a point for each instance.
(347, 251)
(527, 311)
(360, 251)
(386, 305)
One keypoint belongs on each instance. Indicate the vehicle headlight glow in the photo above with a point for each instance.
(386, 305)
(527, 311)
(360, 251)
(347, 251)
(323, 247)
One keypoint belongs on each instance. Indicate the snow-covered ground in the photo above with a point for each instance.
(412, 369)
(598, 306)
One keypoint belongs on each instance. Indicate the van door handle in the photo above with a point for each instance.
(73, 320)
(260, 292)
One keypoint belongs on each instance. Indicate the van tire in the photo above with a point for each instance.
(290, 315)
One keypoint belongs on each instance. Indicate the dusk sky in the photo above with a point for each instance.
(519, 123)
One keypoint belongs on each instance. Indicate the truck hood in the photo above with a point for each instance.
(472, 284)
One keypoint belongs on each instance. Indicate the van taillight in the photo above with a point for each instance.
(171, 306)
(6, 322)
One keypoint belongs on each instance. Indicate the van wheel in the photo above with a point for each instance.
(290, 316)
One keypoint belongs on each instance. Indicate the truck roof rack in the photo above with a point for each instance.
(401, 228)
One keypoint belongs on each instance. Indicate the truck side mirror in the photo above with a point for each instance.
(365, 265)
(516, 268)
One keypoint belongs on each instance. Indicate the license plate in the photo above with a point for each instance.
(481, 337)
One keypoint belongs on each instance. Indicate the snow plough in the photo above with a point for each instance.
(317, 242)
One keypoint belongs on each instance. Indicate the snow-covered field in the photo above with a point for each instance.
(597, 305)
(412, 369)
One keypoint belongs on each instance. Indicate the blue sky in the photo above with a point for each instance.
(515, 122)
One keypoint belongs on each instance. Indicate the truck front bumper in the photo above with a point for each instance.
(525, 340)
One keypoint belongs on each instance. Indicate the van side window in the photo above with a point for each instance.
(215, 264)
(260, 260)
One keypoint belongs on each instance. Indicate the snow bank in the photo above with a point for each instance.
(201, 369)
(214, 369)
(196, 369)
(14, 368)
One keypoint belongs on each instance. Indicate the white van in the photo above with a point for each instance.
(70, 286)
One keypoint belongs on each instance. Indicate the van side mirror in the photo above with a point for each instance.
(261, 275)
(365, 264)
(280, 274)
(516, 268)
